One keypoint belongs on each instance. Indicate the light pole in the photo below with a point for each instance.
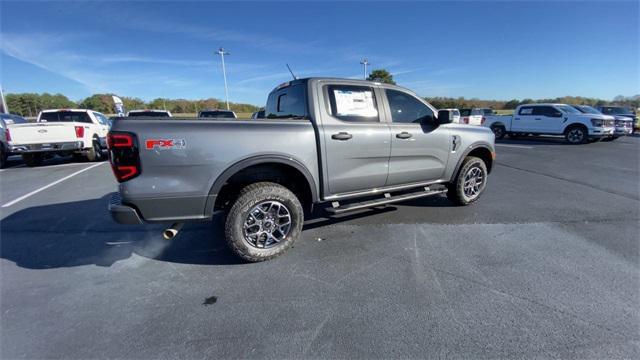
(365, 62)
(222, 53)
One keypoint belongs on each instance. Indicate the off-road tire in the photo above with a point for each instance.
(249, 197)
(455, 189)
(95, 152)
(32, 160)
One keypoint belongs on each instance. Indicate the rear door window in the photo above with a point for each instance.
(548, 111)
(353, 103)
(526, 110)
(288, 102)
(66, 116)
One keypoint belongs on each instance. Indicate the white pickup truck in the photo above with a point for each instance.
(79, 132)
(552, 119)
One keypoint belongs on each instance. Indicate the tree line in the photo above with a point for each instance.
(461, 103)
(382, 75)
(30, 104)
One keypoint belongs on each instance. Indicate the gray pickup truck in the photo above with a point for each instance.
(345, 144)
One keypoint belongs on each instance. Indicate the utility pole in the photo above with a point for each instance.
(222, 52)
(365, 62)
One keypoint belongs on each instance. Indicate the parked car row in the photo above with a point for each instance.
(578, 123)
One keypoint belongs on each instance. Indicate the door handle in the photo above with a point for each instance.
(537, 119)
(516, 118)
(341, 136)
(403, 135)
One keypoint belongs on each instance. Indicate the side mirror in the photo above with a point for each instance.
(445, 117)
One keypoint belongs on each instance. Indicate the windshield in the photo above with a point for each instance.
(65, 116)
(149, 114)
(568, 109)
(217, 114)
(616, 110)
(588, 109)
(465, 112)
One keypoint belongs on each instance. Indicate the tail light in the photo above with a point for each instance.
(483, 120)
(8, 135)
(123, 155)
(465, 120)
(79, 132)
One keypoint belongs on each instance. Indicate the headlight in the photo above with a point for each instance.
(596, 122)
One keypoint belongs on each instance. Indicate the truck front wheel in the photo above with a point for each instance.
(263, 222)
(576, 135)
(469, 183)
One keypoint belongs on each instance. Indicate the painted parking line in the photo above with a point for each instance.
(515, 146)
(13, 167)
(50, 185)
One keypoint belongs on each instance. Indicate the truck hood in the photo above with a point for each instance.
(597, 116)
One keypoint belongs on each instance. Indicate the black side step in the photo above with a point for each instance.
(388, 199)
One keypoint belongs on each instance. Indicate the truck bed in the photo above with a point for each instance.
(201, 149)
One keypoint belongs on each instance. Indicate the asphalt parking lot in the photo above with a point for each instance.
(545, 265)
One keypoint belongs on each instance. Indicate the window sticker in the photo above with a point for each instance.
(355, 103)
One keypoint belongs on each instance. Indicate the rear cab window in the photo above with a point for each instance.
(149, 114)
(217, 114)
(65, 116)
(353, 103)
(288, 102)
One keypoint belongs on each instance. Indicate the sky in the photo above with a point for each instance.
(488, 50)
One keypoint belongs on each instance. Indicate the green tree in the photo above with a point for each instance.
(381, 75)
(99, 102)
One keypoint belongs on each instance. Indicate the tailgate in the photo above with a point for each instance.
(42, 133)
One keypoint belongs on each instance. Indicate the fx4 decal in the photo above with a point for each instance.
(165, 144)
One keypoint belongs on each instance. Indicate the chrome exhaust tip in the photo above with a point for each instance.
(172, 231)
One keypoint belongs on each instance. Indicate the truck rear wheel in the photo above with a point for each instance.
(95, 152)
(469, 183)
(499, 131)
(33, 159)
(263, 222)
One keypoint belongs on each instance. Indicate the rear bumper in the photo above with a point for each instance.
(48, 147)
(123, 214)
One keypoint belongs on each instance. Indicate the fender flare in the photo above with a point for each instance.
(257, 160)
(564, 131)
(466, 152)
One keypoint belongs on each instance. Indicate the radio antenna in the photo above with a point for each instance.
(292, 74)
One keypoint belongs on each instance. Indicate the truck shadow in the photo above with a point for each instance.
(542, 140)
(82, 233)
